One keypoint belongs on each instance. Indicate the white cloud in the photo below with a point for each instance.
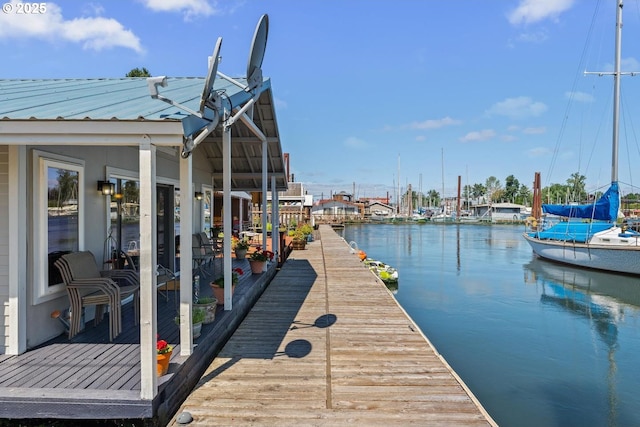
(534, 131)
(538, 152)
(95, 33)
(626, 64)
(579, 96)
(533, 37)
(354, 142)
(190, 8)
(517, 108)
(481, 135)
(532, 11)
(434, 124)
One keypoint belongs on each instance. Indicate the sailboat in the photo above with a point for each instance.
(590, 236)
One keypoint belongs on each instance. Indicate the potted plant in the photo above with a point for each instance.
(197, 317)
(240, 246)
(307, 231)
(258, 259)
(298, 239)
(163, 355)
(217, 286)
(208, 305)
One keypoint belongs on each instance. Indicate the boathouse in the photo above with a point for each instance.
(96, 164)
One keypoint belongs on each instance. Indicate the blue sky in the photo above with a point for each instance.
(371, 95)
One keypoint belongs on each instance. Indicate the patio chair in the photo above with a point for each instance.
(88, 286)
(211, 247)
(202, 253)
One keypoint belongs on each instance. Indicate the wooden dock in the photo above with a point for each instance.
(327, 344)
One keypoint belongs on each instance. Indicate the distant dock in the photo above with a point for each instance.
(327, 344)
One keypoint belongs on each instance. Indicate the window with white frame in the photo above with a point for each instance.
(58, 228)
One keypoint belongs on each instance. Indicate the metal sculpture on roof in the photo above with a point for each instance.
(213, 106)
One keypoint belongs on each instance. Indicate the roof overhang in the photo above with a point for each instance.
(92, 112)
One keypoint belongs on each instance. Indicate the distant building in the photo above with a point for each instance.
(379, 210)
(500, 211)
(335, 211)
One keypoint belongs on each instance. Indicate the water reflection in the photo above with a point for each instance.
(600, 298)
(392, 286)
(614, 291)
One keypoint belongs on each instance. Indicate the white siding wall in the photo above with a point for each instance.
(40, 326)
(4, 247)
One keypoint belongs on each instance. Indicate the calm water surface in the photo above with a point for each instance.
(539, 344)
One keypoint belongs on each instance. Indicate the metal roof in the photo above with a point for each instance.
(128, 99)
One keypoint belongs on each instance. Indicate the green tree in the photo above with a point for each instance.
(493, 185)
(524, 197)
(555, 193)
(434, 197)
(499, 195)
(576, 186)
(66, 189)
(478, 191)
(131, 193)
(137, 72)
(511, 188)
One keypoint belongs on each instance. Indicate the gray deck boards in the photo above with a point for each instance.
(89, 377)
(327, 344)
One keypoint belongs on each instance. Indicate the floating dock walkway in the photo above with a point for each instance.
(327, 345)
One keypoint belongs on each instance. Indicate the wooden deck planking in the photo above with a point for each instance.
(90, 377)
(372, 366)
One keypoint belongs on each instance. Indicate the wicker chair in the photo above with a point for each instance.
(87, 286)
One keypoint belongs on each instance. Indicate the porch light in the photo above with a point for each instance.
(198, 195)
(106, 188)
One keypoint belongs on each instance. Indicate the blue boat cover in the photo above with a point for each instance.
(571, 231)
(604, 209)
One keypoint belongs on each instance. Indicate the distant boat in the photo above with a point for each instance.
(589, 235)
(385, 272)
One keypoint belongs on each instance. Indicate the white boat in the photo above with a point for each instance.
(385, 272)
(590, 236)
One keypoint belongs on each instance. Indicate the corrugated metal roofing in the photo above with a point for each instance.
(102, 99)
(126, 99)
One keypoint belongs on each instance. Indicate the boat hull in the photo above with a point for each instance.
(619, 259)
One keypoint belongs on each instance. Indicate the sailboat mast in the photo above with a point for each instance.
(616, 93)
(444, 206)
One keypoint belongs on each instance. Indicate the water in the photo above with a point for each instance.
(539, 344)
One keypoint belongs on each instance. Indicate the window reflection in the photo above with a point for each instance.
(62, 216)
(125, 215)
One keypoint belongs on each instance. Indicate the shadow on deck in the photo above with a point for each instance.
(89, 377)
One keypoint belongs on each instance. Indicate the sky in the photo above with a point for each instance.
(372, 96)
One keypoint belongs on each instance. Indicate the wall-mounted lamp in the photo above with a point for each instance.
(198, 195)
(106, 188)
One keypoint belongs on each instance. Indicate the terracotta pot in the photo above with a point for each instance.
(218, 292)
(162, 365)
(257, 267)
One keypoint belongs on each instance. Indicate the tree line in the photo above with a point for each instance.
(493, 191)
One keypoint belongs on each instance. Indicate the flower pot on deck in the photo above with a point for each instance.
(257, 267)
(209, 309)
(218, 292)
(162, 365)
(241, 253)
(298, 244)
